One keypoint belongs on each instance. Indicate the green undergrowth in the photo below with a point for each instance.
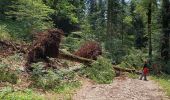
(134, 59)
(8, 93)
(9, 68)
(132, 75)
(55, 80)
(67, 87)
(13, 29)
(100, 71)
(164, 82)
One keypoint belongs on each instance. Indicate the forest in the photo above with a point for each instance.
(55, 49)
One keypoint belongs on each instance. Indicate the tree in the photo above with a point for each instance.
(34, 13)
(166, 30)
(4, 7)
(149, 14)
(65, 12)
(138, 26)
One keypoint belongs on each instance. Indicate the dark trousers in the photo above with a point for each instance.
(143, 75)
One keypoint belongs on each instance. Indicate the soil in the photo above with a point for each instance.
(122, 88)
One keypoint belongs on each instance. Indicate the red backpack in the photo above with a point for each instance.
(145, 71)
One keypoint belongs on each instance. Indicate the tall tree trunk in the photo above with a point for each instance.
(149, 14)
(109, 18)
(109, 35)
(166, 30)
(123, 13)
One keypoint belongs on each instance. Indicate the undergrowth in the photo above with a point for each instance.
(9, 93)
(10, 68)
(133, 75)
(100, 71)
(55, 80)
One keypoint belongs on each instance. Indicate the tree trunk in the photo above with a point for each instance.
(166, 30)
(149, 14)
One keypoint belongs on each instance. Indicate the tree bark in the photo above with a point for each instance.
(166, 30)
(149, 28)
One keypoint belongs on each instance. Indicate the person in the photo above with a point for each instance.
(145, 71)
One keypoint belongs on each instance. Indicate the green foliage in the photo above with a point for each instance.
(133, 75)
(66, 9)
(116, 50)
(34, 14)
(4, 34)
(164, 82)
(14, 30)
(166, 67)
(73, 42)
(67, 86)
(9, 93)
(100, 71)
(43, 78)
(55, 80)
(8, 75)
(135, 59)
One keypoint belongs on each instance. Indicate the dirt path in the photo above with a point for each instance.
(122, 88)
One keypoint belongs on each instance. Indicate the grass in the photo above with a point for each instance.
(8, 93)
(164, 82)
(67, 87)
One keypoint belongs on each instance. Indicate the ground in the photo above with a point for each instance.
(122, 88)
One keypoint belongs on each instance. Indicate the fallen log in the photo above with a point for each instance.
(124, 69)
(66, 55)
(22, 48)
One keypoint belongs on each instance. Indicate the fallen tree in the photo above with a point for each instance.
(9, 47)
(89, 50)
(46, 44)
(66, 55)
(120, 69)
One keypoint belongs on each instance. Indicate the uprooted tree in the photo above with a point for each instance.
(45, 45)
(89, 50)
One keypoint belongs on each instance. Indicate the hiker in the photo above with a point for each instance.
(145, 71)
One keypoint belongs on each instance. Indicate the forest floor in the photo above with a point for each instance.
(122, 88)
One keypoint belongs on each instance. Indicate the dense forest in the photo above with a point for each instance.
(125, 33)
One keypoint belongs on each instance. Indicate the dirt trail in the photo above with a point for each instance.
(122, 88)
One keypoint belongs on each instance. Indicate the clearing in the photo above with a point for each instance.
(122, 88)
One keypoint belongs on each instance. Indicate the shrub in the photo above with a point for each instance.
(100, 71)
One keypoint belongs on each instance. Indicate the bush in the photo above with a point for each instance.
(100, 71)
